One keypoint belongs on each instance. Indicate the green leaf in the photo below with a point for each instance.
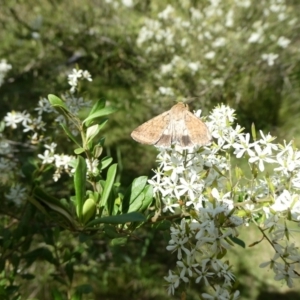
(111, 174)
(89, 210)
(133, 192)
(53, 203)
(98, 114)
(137, 203)
(119, 219)
(119, 241)
(70, 134)
(80, 184)
(60, 105)
(253, 131)
(148, 192)
(79, 150)
(105, 162)
(97, 151)
(91, 132)
(57, 102)
(100, 104)
(237, 241)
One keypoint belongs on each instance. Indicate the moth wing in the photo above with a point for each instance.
(152, 131)
(198, 132)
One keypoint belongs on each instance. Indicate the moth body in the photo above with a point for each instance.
(175, 126)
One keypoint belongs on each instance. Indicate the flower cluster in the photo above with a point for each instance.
(33, 123)
(77, 75)
(199, 185)
(223, 36)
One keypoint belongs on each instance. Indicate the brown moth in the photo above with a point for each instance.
(175, 126)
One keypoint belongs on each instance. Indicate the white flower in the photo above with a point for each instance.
(174, 281)
(287, 274)
(218, 81)
(270, 58)
(12, 119)
(244, 146)
(76, 74)
(203, 274)
(62, 160)
(219, 293)
(156, 182)
(51, 147)
(44, 106)
(188, 187)
(284, 201)
(169, 204)
(47, 157)
(266, 141)
(178, 243)
(167, 13)
(196, 14)
(127, 3)
(288, 159)
(194, 66)
(256, 37)
(261, 156)
(17, 194)
(275, 8)
(229, 18)
(4, 66)
(219, 42)
(210, 55)
(167, 91)
(283, 42)
(36, 124)
(164, 69)
(243, 3)
(87, 75)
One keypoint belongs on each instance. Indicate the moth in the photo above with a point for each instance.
(176, 126)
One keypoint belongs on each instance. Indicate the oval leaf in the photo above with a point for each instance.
(119, 219)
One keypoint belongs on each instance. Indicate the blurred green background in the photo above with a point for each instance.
(144, 55)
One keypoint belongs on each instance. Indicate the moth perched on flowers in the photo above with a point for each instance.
(176, 126)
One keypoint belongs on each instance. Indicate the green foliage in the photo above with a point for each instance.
(95, 211)
(63, 227)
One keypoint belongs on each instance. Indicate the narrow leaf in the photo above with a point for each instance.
(119, 219)
(105, 162)
(111, 174)
(70, 134)
(237, 241)
(80, 184)
(98, 114)
(100, 104)
(53, 203)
